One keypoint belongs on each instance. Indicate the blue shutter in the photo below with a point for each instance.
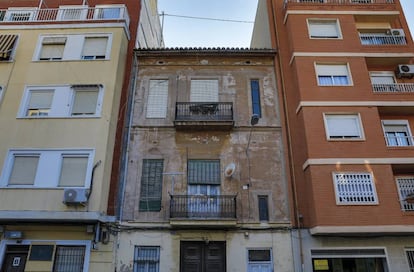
(255, 89)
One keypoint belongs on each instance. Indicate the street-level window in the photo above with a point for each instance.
(69, 258)
(147, 259)
(260, 259)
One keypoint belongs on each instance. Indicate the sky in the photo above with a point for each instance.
(191, 32)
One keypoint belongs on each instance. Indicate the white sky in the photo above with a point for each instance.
(187, 32)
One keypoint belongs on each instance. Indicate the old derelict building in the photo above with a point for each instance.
(206, 185)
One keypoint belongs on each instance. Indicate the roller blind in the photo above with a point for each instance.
(203, 172)
(204, 90)
(95, 47)
(332, 69)
(85, 100)
(24, 170)
(41, 99)
(323, 29)
(73, 171)
(343, 126)
(157, 99)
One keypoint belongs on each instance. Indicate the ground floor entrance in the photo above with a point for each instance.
(203, 256)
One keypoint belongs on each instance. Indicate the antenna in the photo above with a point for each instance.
(230, 169)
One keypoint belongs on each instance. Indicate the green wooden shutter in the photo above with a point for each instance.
(203, 172)
(151, 185)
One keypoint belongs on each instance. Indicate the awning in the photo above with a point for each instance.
(6, 45)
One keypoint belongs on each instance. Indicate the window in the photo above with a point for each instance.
(62, 101)
(73, 47)
(40, 102)
(343, 126)
(52, 48)
(359, 260)
(324, 29)
(263, 208)
(204, 90)
(20, 14)
(68, 13)
(109, 11)
(260, 260)
(1, 94)
(94, 48)
(383, 82)
(48, 168)
(410, 258)
(405, 187)
(354, 188)
(397, 133)
(7, 45)
(147, 259)
(151, 185)
(157, 98)
(333, 74)
(203, 172)
(255, 91)
(69, 258)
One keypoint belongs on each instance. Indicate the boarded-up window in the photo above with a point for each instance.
(157, 99)
(204, 90)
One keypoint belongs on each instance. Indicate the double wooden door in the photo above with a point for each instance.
(203, 256)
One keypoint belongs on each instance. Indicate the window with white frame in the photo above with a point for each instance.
(397, 133)
(354, 188)
(62, 101)
(48, 168)
(405, 187)
(409, 252)
(109, 11)
(343, 126)
(383, 82)
(72, 12)
(157, 101)
(52, 48)
(147, 259)
(349, 259)
(74, 47)
(94, 48)
(66, 255)
(259, 259)
(333, 74)
(324, 29)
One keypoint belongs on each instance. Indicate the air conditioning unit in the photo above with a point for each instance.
(405, 70)
(75, 196)
(396, 32)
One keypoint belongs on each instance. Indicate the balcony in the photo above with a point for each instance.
(202, 115)
(382, 39)
(393, 88)
(72, 14)
(205, 210)
(340, 2)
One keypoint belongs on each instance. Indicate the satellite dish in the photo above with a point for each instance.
(230, 169)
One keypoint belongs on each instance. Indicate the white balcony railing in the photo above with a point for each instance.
(381, 39)
(393, 88)
(81, 13)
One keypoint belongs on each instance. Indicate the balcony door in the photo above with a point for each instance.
(203, 256)
(203, 200)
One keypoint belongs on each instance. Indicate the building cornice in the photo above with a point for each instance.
(353, 104)
(194, 51)
(342, 161)
(362, 230)
(54, 217)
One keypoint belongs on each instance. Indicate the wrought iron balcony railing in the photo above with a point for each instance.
(340, 2)
(203, 206)
(381, 39)
(81, 13)
(393, 88)
(204, 111)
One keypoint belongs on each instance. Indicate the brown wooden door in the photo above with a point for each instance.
(15, 258)
(203, 257)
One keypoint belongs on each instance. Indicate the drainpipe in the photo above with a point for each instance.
(281, 86)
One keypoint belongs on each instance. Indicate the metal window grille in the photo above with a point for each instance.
(147, 259)
(69, 259)
(354, 188)
(406, 191)
(203, 172)
(410, 258)
(151, 185)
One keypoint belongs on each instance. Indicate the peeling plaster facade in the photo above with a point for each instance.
(255, 150)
